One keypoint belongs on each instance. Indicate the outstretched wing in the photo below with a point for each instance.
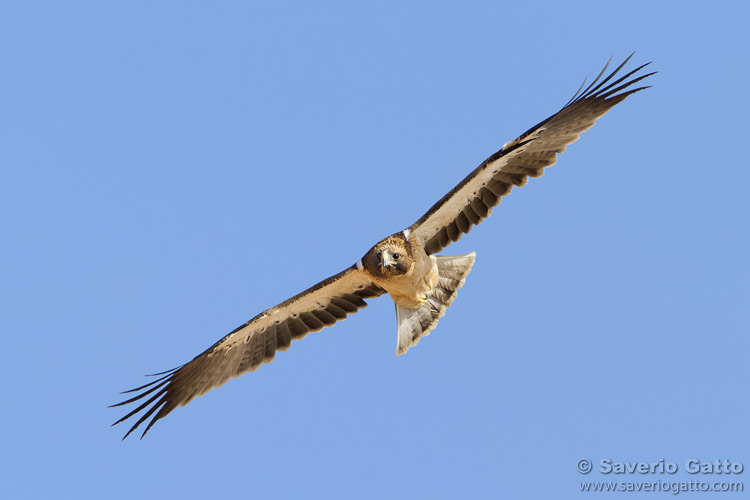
(254, 343)
(472, 200)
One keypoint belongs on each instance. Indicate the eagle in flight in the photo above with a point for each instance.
(405, 265)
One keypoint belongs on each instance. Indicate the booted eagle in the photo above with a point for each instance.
(403, 265)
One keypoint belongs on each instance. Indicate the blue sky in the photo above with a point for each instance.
(170, 169)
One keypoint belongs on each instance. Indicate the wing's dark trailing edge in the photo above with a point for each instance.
(472, 200)
(252, 344)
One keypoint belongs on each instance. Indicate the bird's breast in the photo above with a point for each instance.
(409, 290)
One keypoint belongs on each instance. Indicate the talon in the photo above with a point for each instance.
(423, 299)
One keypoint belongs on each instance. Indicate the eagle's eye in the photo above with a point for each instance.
(396, 256)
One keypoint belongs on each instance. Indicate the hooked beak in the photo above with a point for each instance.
(387, 260)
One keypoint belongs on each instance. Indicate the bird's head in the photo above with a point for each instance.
(390, 260)
(390, 257)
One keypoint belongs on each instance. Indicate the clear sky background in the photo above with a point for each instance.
(170, 169)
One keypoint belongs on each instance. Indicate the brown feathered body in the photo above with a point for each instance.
(403, 270)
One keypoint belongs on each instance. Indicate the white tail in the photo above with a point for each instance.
(416, 323)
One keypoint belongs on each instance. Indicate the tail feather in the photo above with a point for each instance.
(416, 323)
